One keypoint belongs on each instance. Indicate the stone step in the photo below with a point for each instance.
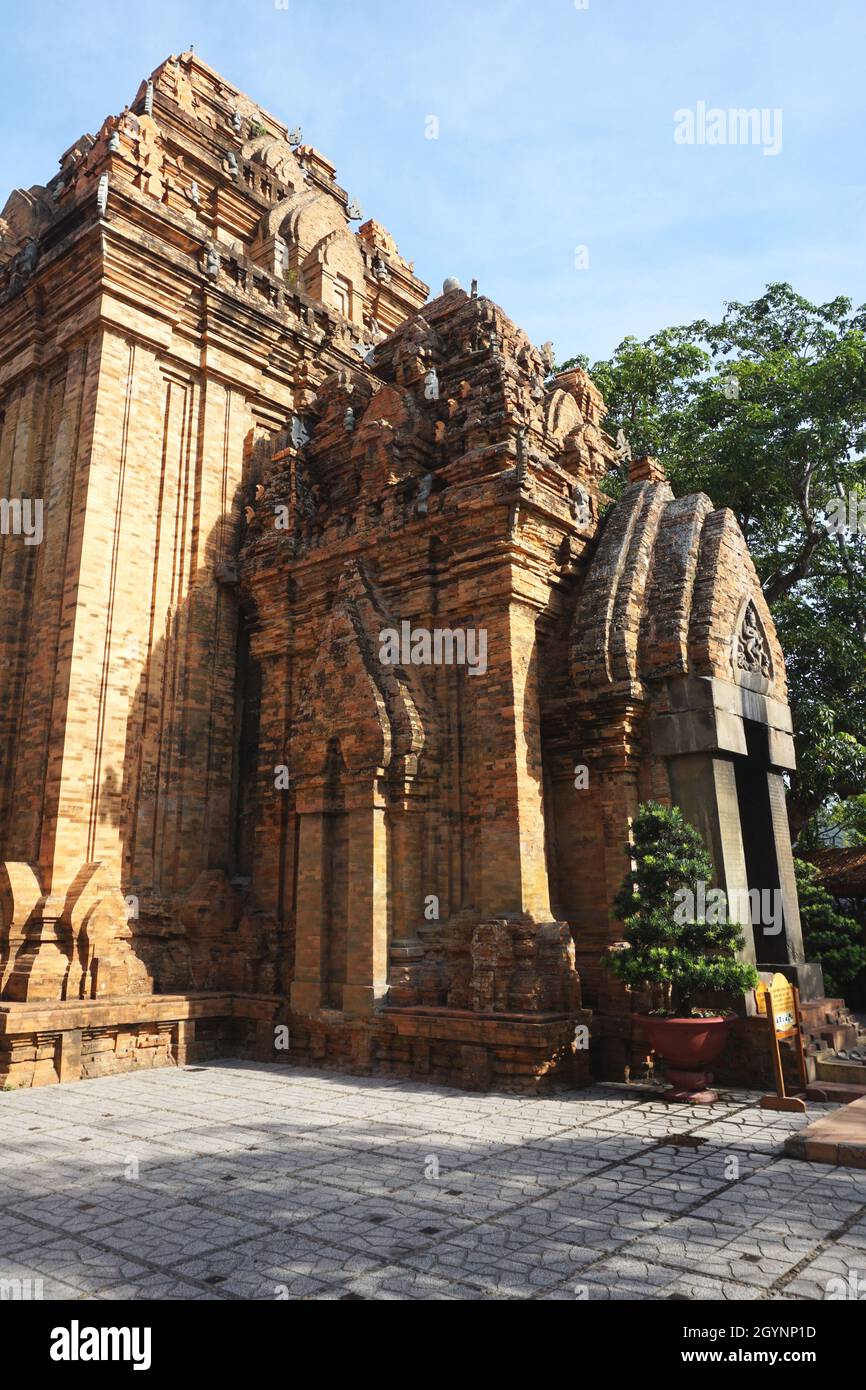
(838, 1069)
(817, 1011)
(841, 1091)
(837, 1138)
(840, 1037)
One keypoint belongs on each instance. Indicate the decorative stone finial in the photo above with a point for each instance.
(452, 283)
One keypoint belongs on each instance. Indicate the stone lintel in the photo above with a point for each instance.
(709, 692)
(707, 714)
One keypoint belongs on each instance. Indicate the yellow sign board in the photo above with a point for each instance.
(780, 1005)
(779, 994)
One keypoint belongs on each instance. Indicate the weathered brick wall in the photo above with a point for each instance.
(150, 333)
(257, 454)
(445, 508)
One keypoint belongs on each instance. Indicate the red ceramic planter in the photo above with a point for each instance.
(688, 1046)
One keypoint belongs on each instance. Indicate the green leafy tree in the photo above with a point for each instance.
(766, 412)
(831, 938)
(679, 959)
(840, 823)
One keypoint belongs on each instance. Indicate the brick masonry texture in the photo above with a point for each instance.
(225, 809)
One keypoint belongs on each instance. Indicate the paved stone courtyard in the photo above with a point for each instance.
(238, 1181)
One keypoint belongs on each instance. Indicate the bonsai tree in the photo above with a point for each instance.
(831, 938)
(672, 945)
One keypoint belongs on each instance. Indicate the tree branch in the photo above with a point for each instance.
(783, 581)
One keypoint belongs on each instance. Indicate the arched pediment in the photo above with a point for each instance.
(561, 416)
(277, 156)
(672, 592)
(21, 219)
(312, 216)
(282, 218)
(353, 698)
(732, 635)
(605, 638)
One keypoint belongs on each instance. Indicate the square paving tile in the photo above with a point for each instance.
(244, 1181)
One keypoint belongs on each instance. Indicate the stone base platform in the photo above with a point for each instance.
(46, 1042)
(452, 1047)
(826, 1092)
(49, 1042)
(832, 1070)
(837, 1138)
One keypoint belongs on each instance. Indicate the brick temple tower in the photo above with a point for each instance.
(326, 607)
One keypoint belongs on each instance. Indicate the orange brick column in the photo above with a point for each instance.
(272, 842)
(406, 878)
(513, 868)
(306, 990)
(367, 935)
(620, 797)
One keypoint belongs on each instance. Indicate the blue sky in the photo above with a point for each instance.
(556, 131)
